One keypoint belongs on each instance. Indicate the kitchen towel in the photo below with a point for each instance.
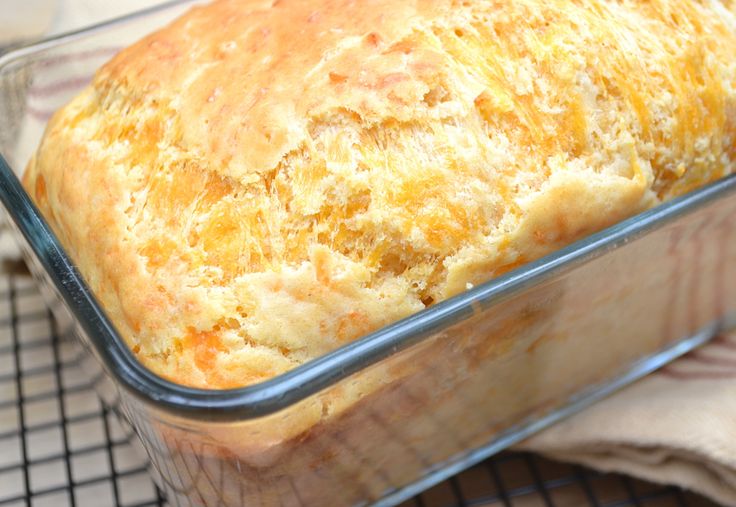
(676, 426)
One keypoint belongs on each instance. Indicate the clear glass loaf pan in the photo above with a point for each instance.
(399, 410)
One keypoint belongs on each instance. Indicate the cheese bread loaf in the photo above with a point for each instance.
(263, 181)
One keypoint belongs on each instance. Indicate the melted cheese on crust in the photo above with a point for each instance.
(263, 181)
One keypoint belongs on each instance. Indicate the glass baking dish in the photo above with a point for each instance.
(392, 413)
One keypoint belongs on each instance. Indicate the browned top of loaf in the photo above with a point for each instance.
(262, 181)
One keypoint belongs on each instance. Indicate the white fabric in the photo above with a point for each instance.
(73, 14)
(24, 20)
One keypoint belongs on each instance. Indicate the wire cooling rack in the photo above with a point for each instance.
(59, 446)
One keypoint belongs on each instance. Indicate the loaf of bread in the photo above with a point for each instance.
(263, 181)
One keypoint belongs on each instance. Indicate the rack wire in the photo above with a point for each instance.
(60, 446)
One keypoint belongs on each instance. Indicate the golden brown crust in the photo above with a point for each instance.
(260, 182)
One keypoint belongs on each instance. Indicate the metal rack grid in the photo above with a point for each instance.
(59, 446)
